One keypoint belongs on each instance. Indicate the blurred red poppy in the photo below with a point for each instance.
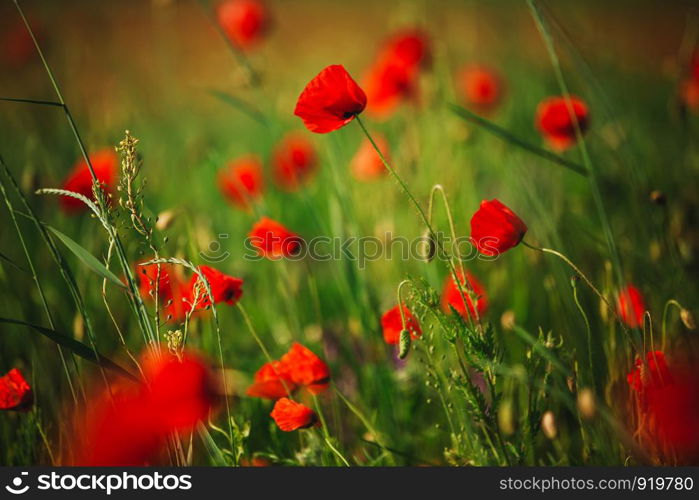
(553, 118)
(15, 393)
(224, 288)
(105, 164)
(294, 162)
(272, 381)
(129, 424)
(241, 181)
(481, 87)
(495, 228)
(392, 325)
(366, 164)
(273, 240)
(290, 415)
(306, 369)
(245, 22)
(631, 306)
(330, 100)
(668, 400)
(393, 77)
(452, 298)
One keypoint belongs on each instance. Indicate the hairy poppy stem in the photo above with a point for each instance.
(582, 275)
(326, 433)
(421, 212)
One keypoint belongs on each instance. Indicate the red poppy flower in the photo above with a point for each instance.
(129, 424)
(495, 228)
(273, 240)
(330, 101)
(272, 381)
(452, 298)
(393, 76)
(224, 288)
(689, 93)
(366, 164)
(105, 164)
(630, 306)
(245, 22)
(15, 393)
(295, 161)
(554, 120)
(481, 87)
(290, 415)
(392, 325)
(241, 182)
(306, 369)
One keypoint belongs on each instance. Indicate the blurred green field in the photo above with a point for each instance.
(151, 67)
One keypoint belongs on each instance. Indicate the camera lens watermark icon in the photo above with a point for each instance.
(16, 487)
(214, 253)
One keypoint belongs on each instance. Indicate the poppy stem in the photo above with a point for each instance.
(581, 274)
(326, 433)
(663, 327)
(421, 212)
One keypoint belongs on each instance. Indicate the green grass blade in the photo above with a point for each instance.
(86, 257)
(508, 136)
(240, 105)
(5, 258)
(75, 346)
(217, 457)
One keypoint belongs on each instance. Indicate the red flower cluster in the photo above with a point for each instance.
(330, 100)
(392, 325)
(294, 162)
(366, 164)
(630, 306)
(393, 77)
(241, 182)
(15, 393)
(481, 88)
(668, 397)
(553, 119)
(290, 415)
(245, 22)
(495, 228)
(299, 367)
(177, 296)
(452, 298)
(128, 425)
(105, 164)
(274, 241)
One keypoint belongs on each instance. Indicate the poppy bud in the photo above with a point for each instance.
(688, 319)
(587, 405)
(548, 425)
(164, 220)
(404, 344)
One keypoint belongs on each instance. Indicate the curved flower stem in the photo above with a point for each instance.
(400, 302)
(588, 330)
(663, 326)
(421, 213)
(584, 278)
